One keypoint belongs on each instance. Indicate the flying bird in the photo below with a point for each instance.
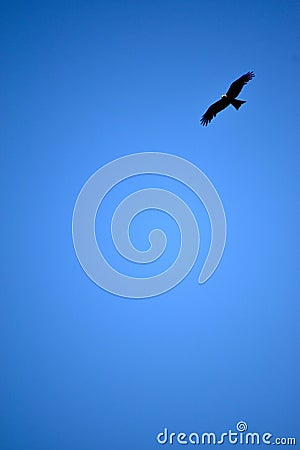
(227, 99)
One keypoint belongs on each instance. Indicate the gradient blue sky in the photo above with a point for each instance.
(83, 83)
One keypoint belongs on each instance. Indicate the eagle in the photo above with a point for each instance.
(227, 99)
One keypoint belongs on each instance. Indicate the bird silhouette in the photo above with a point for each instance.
(227, 99)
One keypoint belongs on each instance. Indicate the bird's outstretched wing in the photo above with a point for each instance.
(236, 87)
(213, 111)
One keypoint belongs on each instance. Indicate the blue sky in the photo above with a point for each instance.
(88, 82)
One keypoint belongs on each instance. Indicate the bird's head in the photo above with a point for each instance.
(224, 96)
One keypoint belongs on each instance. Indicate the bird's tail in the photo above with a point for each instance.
(237, 103)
